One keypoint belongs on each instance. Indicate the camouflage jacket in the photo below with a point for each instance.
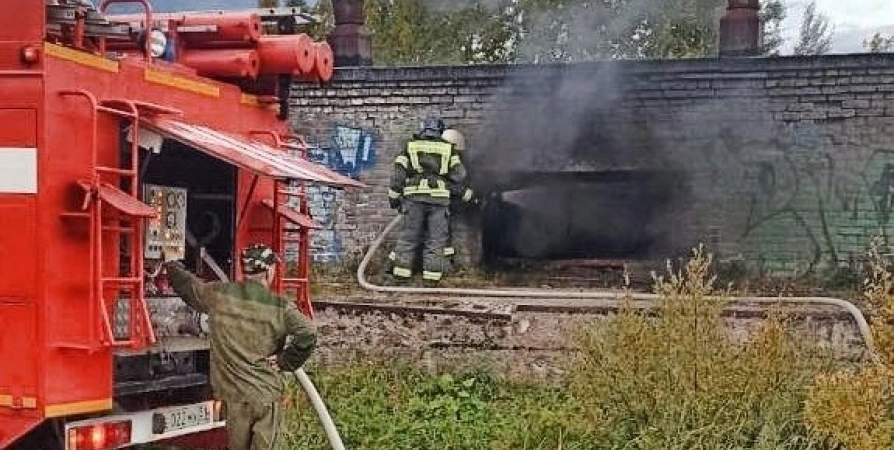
(249, 323)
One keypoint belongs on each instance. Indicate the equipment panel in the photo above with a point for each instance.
(168, 230)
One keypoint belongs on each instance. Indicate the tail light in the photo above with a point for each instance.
(100, 436)
(220, 411)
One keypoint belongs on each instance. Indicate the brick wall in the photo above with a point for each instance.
(786, 163)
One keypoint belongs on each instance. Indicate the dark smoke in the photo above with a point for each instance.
(572, 170)
(573, 173)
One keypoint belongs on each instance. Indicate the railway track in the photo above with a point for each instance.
(521, 337)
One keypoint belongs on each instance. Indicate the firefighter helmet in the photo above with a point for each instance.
(258, 258)
(432, 127)
(456, 138)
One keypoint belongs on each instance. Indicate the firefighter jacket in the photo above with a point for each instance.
(249, 323)
(429, 171)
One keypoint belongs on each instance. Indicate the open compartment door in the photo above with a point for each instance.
(247, 154)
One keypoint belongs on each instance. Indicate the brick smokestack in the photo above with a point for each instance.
(350, 40)
(740, 29)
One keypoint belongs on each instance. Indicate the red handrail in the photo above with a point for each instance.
(147, 8)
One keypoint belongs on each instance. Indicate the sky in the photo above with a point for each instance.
(854, 21)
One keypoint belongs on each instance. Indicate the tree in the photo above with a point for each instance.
(879, 43)
(576, 30)
(815, 37)
(773, 12)
(416, 32)
(478, 31)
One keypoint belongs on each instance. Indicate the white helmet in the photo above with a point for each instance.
(454, 137)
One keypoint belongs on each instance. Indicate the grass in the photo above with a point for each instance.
(396, 407)
(675, 380)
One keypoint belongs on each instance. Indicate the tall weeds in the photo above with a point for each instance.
(670, 378)
(855, 407)
(677, 380)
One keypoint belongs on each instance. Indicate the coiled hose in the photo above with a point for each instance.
(856, 314)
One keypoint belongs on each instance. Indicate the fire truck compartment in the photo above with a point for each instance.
(206, 187)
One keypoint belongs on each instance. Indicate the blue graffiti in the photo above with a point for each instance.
(350, 151)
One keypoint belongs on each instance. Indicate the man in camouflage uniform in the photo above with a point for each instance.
(255, 335)
(426, 171)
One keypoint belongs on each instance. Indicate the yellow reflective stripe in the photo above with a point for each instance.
(454, 161)
(440, 149)
(8, 401)
(424, 188)
(440, 193)
(403, 272)
(432, 276)
(392, 256)
(393, 194)
(449, 251)
(80, 57)
(402, 160)
(70, 409)
(467, 195)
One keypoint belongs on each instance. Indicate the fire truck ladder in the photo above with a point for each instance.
(131, 325)
(291, 226)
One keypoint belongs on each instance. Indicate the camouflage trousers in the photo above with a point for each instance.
(425, 225)
(254, 427)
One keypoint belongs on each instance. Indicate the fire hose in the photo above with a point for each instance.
(609, 296)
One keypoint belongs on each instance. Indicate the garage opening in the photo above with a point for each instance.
(610, 215)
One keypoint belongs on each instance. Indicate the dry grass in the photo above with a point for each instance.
(855, 407)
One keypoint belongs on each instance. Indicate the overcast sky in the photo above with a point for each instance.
(854, 21)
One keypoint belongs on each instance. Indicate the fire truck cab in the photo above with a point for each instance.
(121, 135)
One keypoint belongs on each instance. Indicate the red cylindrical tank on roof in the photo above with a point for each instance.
(222, 63)
(230, 27)
(286, 55)
(218, 26)
(324, 64)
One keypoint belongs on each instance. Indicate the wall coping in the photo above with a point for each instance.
(741, 67)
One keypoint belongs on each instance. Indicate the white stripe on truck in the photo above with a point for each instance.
(18, 170)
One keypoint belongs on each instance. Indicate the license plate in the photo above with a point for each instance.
(186, 417)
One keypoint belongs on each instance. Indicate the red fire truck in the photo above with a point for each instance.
(121, 135)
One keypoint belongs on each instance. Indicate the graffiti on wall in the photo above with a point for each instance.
(349, 150)
(807, 202)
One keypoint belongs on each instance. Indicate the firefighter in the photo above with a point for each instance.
(425, 173)
(461, 193)
(255, 336)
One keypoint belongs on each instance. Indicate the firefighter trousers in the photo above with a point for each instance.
(254, 427)
(425, 225)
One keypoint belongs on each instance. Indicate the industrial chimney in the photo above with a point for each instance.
(740, 29)
(350, 40)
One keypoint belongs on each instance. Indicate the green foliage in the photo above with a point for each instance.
(412, 32)
(393, 407)
(815, 37)
(879, 43)
(856, 407)
(772, 14)
(670, 379)
(576, 30)
(678, 381)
